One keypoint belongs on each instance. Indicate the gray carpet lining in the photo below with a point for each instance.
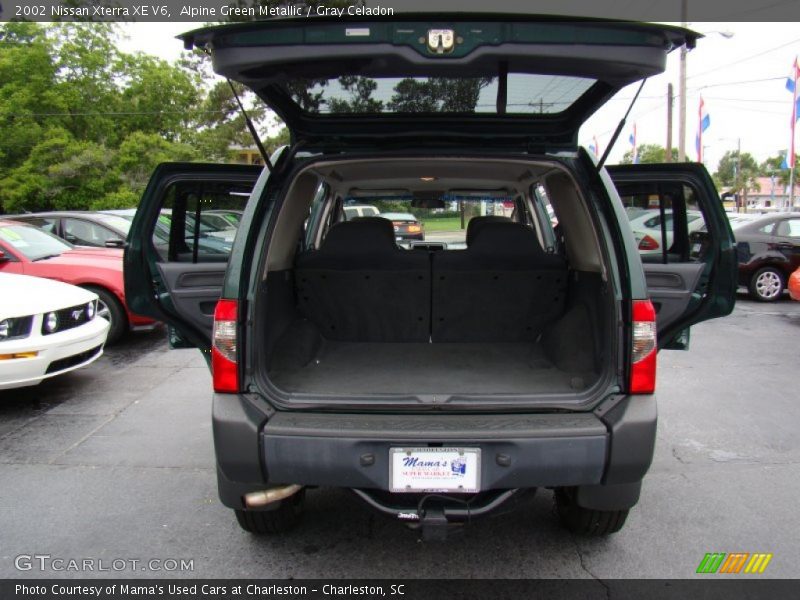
(424, 368)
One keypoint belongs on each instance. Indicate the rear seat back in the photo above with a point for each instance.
(503, 288)
(359, 286)
(476, 224)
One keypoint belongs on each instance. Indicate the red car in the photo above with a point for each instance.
(794, 285)
(26, 250)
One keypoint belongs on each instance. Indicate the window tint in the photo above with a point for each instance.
(666, 220)
(192, 226)
(789, 228)
(86, 233)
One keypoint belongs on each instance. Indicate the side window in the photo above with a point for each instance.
(315, 215)
(86, 233)
(198, 220)
(789, 228)
(47, 224)
(666, 220)
(767, 229)
(546, 218)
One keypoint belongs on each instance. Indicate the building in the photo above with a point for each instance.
(767, 195)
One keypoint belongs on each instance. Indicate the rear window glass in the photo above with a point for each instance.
(526, 94)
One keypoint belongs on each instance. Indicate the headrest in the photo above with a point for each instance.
(476, 223)
(360, 236)
(506, 238)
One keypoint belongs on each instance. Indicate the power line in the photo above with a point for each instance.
(712, 85)
(117, 113)
(745, 59)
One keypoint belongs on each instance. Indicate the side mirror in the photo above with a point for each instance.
(115, 243)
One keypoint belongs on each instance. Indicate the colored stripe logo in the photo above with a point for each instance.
(734, 562)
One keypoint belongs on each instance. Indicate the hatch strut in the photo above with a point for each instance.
(252, 129)
(619, 128)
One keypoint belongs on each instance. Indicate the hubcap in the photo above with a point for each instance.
(102, 310)
(768, 284)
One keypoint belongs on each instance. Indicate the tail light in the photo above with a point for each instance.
(643, 348)
(224, 365)
(648, 243)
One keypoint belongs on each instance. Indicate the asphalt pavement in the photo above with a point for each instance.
(115, 462)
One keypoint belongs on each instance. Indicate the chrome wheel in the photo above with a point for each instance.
(769, 285)
(103, 310)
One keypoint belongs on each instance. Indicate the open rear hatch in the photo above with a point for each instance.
(510, 79)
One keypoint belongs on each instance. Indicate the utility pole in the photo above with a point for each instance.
(736, 177)
(668, 157)
(682, 90)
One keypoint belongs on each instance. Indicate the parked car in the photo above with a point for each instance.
(406, 226)
(46, 328)
(360, 210)
(97, 229)
(768, 249)
(437, 384)
(794, 285)
(646, 227)
(27, 250)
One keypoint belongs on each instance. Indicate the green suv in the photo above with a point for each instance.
(513, 349)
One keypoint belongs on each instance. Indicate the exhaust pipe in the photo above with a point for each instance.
(259, 499)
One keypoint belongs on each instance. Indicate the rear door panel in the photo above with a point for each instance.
(176, 259)
(693, 275)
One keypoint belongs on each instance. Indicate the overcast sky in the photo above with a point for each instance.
(742, 80)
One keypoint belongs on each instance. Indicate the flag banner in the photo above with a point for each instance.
(704, 122)
(791, 85)
(632, 140)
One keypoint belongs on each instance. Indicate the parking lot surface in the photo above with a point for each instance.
(115, 461)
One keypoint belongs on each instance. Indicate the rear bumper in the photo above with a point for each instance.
(608, 449)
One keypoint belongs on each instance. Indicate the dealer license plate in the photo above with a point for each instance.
(435, 469)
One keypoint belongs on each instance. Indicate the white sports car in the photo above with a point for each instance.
(46, 328)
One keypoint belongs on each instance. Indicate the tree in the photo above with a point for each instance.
(774, 165)
(437, 94)
(70, 103)
(649, 153)
(738, 172)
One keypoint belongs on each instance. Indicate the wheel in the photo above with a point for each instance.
(586, 521)
(767, 284)
(112, 310)
(279, 520)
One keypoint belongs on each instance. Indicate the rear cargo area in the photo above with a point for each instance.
(562, 356)
(448, 368)
(508, 311)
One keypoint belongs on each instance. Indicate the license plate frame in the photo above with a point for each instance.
(458, 470)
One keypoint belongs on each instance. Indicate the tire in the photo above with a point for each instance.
(586, 521)
(280, 520)
(767, 284)
(108, 307)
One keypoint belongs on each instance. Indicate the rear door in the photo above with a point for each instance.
(515, 81)
(176, 257)
(685, 243)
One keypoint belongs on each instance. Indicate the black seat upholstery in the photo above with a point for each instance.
(476, 224)
(360, 286)
(503, 288)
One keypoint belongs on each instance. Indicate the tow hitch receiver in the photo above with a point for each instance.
(434, 525)
(436, 514)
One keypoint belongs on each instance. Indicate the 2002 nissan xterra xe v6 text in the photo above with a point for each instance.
(437, 379)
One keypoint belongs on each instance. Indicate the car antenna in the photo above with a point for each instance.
(619, 128)
(252, 128)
